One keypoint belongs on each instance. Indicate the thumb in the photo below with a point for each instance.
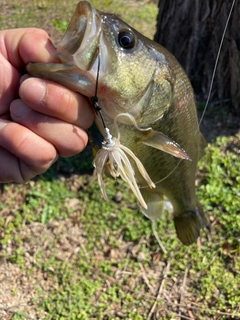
(27, 45)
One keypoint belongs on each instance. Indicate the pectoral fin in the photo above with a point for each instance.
(159, 141)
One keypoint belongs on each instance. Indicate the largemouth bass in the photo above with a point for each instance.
(140, 84)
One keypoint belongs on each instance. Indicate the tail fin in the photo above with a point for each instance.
(189, 224)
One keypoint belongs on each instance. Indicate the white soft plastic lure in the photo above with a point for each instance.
(114, 157)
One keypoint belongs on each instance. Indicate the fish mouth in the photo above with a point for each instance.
(81, 39)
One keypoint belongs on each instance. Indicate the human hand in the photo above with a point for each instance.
(39, 119)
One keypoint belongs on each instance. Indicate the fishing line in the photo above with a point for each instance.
(107, 136)
(94, 99)
(168, 175)
(98, 68)
(157, 237)
(217, 60)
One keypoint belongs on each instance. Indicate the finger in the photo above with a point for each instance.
(67, 138)
(13, 169)
(21, 46)
(57, 101)
(9, 84)
(9, 169)
(36, 46)
(37, 153)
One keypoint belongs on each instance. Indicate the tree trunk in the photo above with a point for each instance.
(192, 31)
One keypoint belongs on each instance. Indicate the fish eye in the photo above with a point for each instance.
(126, 39)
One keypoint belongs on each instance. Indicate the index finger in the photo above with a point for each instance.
(56, 101)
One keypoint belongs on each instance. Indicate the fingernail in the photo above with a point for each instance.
(25, 77)
(18, 109)
(33, 90)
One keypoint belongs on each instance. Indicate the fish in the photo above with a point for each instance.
(148, 108)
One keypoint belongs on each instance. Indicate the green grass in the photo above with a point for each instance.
(87, 286)
(54, 15)
(90, 259)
